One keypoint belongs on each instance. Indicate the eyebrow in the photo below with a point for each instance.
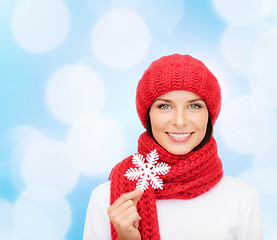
(169, 101)
(196, 99)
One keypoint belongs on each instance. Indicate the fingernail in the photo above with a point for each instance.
(136, 224)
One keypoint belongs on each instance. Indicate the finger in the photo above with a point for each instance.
(118, 211)
(133, 219)
(133, 195)
(127, 222)
(126, 219)
(136, 223)
(139, 192)
(129, 211)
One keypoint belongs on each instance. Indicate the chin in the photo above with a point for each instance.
(179, 151)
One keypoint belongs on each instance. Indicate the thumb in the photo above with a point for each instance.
(138, 192)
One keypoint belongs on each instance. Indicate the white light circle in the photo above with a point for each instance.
(167, 15)
(6, 219)
(267, 157)
(46, 166)
(32, 222)
(98, 143)
(120, 39)
(243, 10)
(238, 43)
(264, 178)
(248, 124)
(40, 26)
(265, 55)
(73, 92)
(58, 211)
(264, 60)
(23, 137)
(265, 87)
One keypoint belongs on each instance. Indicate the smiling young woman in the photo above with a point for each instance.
(179, 121)
(178, 101)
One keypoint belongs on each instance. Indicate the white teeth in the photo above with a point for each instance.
(178, 135)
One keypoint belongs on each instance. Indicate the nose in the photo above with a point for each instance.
(180, 117)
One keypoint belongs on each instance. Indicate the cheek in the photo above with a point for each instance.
(201, 122)
(157, 120)
(155, 123)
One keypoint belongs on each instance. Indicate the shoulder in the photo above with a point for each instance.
(101, 193)
(230, 183)
(103, 187)
(236, 189)
(100, 198)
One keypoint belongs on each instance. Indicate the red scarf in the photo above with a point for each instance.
(190, 176)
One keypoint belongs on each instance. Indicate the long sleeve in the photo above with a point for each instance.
(251, 218)
(230, 211)
(97, 224)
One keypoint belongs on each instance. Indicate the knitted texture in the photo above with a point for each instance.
(177, 72)
(190, 176)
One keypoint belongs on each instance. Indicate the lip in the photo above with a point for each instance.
(179, 137)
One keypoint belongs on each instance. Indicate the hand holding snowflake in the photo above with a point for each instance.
(147, 171)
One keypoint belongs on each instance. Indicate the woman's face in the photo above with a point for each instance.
(179, 121)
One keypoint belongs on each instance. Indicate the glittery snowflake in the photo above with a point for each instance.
(147, 171)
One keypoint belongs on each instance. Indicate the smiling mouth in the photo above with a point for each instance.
(179, 137)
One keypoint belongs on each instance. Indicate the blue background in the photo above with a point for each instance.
(237, 41)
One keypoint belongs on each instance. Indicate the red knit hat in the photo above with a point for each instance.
(177, 72)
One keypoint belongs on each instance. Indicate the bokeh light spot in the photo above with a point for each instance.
(162, 16)
(47, 164)
(247, 124)
(120, 39)
(243, 10)
(40, 26)
(32, 222)
(73, 92)
(265, 55)
(23, 137)
(238, 43)
(98, 143)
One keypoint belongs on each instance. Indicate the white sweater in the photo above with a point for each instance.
(230, 210)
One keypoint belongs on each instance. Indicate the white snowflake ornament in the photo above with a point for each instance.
(147, 170)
